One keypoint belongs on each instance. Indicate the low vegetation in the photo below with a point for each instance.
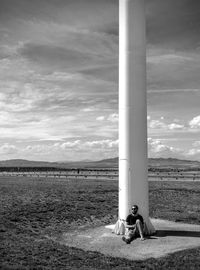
(35, 210)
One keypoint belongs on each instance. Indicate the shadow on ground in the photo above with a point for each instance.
(164, 233)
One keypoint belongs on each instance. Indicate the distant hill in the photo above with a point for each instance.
(154, 163)
(173, 163)
(26, 163)
(105, 163)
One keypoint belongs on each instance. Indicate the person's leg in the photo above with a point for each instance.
(139, 227)
(130, 236)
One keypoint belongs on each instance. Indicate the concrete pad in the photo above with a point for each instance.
(170, 237)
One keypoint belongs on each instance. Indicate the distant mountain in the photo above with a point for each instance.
(73, 164)
(153, 163)
(173, 163)
(105, 163)
(26, 163)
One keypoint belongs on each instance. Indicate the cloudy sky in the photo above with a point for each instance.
(59, 79)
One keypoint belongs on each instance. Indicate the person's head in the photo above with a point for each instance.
(134, 209)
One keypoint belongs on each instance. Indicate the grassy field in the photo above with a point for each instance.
(34, 209)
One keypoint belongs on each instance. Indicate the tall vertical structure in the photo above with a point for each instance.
(133, 166)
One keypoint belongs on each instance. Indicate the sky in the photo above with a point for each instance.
(59, 79)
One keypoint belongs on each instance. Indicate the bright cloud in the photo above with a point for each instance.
(168, 58)
(195, 122)
(196, 144)
(102, 144)
(157, 149)
(66, 145)
(113, 117)
(156, 124)
(193, 153)
(8, 149)
(175, 126)
(70, 149)
(100, 118)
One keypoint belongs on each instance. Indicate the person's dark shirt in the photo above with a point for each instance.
(131, 219)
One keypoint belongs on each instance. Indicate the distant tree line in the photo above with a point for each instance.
(186, 169)
(30, 169)
(79, 170)
(52, 169)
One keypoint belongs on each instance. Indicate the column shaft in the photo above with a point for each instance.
(133, 162)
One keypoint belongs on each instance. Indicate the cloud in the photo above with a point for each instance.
(56, 57)
(59, 75)
(72, 150)
(156, 124)
(166, 91)
(8, 149)
(50, 106)
(168, 59)
(90, 12)
(70, 144)
(113, 117)
(158, 149)
(102, 144)
(89, 109)
(164, 126)
(173, 71)
(100, 118)
(175, 126)
(196, 144)
(195, 122)
(39, 127)
(79, 145)
(193, 153)
(173, 23)
(86, 58)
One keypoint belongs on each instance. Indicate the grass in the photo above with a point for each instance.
(32, 209)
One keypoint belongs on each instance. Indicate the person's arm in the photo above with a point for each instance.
(129, 226)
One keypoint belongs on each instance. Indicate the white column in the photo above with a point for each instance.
(133, 173)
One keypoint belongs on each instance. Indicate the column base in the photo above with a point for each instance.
(119, 227)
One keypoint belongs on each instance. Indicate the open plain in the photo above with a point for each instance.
(36, 212)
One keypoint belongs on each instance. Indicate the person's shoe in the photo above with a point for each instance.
(125, 240)
(142, 239)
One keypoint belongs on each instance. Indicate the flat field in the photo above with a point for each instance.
(35, 211)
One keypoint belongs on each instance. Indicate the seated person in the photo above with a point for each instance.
(135, 225)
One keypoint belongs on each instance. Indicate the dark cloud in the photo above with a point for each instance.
(81, 13)
(173, 23)
(174, 71)
(54, 57)
(23, 9)
(107, 73)
(175, 104)
(4, 53)
(111, 28)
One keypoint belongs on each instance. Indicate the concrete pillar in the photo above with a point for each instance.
(133, 166)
